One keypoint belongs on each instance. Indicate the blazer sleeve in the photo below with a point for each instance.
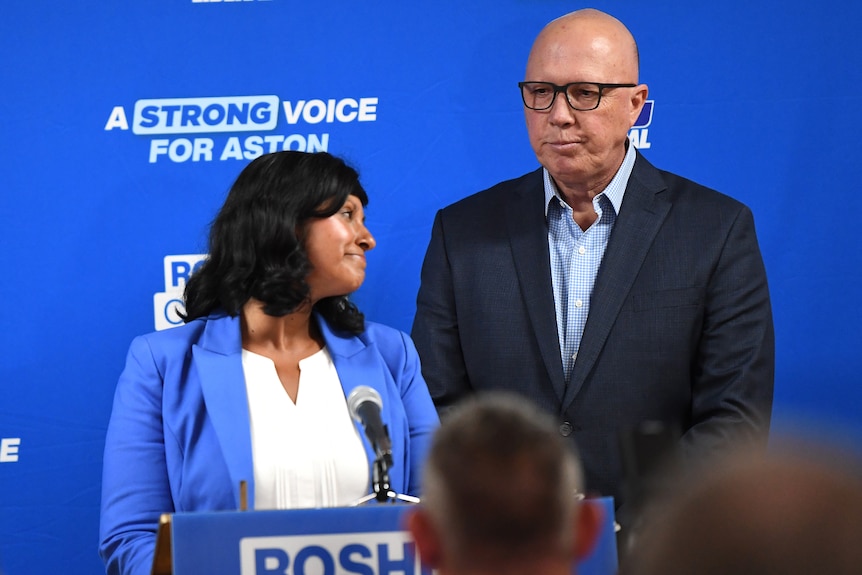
(734, 370)
(422, 418)
(135, 486)
(435, 326)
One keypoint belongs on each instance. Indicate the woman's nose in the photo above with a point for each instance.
(365, 239)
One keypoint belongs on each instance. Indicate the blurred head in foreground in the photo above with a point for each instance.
(788, 512)
(501, 493)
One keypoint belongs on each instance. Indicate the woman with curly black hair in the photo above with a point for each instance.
(253, 387)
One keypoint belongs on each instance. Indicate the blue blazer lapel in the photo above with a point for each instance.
(525, 218)
(641, 216)
(218, 361)
(356, 364)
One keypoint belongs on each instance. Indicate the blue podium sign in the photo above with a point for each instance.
(342, 540)
(367, 540)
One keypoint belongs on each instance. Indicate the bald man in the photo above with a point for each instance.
(789, 512)
(609, 292)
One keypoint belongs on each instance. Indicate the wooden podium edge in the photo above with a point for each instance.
(163, 558)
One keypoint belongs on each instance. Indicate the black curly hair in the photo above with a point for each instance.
(254, 249)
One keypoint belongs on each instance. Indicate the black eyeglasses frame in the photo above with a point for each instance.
(565, 90)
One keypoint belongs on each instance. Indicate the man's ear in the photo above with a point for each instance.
(638, 98)
(425, 535)
(588, 526)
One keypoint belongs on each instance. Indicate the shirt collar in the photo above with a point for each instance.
(614, 191)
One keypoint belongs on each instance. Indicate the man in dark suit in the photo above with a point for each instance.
(609, 292)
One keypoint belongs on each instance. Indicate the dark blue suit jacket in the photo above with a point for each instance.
(679, 330)
(179, 438)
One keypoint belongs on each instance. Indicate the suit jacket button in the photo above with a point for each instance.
(566, 429)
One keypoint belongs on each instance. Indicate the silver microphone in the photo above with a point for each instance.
(365, 405)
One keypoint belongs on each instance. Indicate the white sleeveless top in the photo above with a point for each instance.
(307, 454)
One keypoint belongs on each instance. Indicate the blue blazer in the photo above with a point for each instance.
(679, 329)
(179, 438)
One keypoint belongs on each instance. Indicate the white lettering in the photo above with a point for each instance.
(255, 146)
(340, 113)
(314, 117)
(273, 142)
(199, 115)
(232, 150)
(117, 119)
(638, 138)
(344, 110)
(294, 139)
(182, 149)
(291, 115)
(9, 449)
(315, 144)
(203, 150)
(158, 148)
(372, 552)
(367, 109)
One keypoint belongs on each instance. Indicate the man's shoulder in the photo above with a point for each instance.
(496, 194)
(678, 188)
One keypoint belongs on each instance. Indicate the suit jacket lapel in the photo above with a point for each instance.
(525, 218)
(641, 216)
(356, 364)
(218, 361)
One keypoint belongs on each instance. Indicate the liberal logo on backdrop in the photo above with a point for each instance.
(168, 304)
(182, 129)
(638, 134)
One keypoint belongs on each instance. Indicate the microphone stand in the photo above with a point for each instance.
(381, 488)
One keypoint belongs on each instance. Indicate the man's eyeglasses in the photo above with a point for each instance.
(582, 96)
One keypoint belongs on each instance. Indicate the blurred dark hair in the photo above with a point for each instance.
(254, 249)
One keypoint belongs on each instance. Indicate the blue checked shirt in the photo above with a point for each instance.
(576, 256)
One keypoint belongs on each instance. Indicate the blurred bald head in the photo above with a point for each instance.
(789, 513)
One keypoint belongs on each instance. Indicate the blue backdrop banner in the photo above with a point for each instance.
(124, 123)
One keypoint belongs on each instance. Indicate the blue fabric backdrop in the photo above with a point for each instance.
(104, 209)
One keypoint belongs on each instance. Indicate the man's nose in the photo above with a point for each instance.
(560, 112)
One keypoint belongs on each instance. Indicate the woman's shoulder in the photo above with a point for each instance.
(385, 338)
(381, 333)
(382, 330)
(178, 333)
(181, 337)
